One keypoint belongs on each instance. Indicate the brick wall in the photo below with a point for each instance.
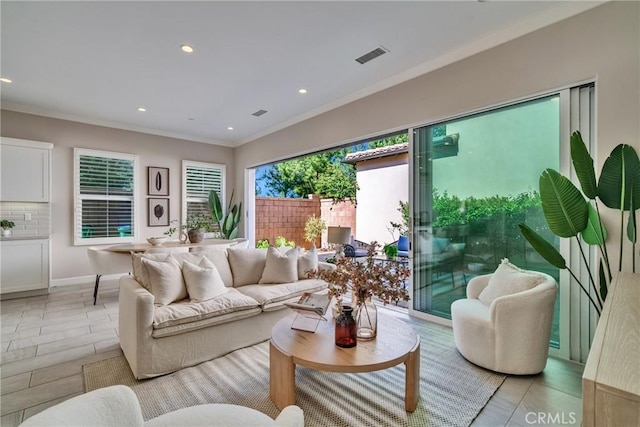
(276, 216)
(284, 217)
(341, 214)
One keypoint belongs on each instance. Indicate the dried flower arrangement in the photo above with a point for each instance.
(367, 278)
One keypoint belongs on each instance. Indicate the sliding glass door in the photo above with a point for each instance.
(475, 179)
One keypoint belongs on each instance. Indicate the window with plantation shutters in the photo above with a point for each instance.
(104, 196)
(198, 179)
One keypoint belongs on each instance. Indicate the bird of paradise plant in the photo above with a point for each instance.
(570, 214)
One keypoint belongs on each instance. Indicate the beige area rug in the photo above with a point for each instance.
(452, 390)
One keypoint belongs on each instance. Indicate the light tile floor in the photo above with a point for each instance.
(45, 340)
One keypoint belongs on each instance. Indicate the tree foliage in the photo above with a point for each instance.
(392, 140)
(323, 174)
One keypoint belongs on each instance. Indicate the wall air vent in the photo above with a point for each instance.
(369, 56)
(259, 113)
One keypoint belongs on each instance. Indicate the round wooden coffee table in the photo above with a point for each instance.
(395, 343)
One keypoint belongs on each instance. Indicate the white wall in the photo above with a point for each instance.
(602, 43)
(382, 185)
(69, 261)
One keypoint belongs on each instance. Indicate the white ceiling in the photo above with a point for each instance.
(97, 62)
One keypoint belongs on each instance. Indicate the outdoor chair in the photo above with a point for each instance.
(355, 248)
(403, 246)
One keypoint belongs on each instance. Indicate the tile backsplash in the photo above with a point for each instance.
(40, 223)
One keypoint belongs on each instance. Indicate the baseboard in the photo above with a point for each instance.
(430, 318)
(81, 280)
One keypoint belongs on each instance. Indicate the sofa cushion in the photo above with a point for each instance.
(506, 280)
(247, 265)
(165, 279)
(307, 261)
(240, 243)
(219, 258)
(204, 323)
(203, 280)
(183, 312)
(139, 273)
(282, 292)
(279, 267)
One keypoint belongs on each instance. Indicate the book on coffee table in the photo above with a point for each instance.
(310, 304)
(310, 309)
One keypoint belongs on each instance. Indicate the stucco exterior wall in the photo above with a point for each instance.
(382, 183)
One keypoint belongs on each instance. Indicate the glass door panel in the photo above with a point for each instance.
(475, 180)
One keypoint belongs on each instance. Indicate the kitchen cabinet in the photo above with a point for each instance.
(25, 171)
(24, 265)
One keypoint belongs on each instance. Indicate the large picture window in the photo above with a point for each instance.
(104, 197)
(198, 179)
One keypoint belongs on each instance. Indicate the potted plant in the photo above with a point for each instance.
(6, 227)
(282, 241)
(313, 229)
(227, 221)
(262, 244)
(391, 251)
(196, 225)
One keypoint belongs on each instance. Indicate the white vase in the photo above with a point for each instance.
(6, 233)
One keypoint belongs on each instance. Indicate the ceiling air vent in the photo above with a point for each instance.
(259, 113)
(372, 55)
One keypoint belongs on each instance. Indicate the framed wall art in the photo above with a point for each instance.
(158, 212)
(158, 181)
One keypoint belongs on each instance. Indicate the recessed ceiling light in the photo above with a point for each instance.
(186, 48)
(302, 91)
(5, 80)
(142, 109)
(230, 128)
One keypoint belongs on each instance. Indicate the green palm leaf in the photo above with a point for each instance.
(544, 248)
(595, 233)
(619, 177)
(565, 208)
(603, 282)
(215, 205)
(583, 164)
(632, 231)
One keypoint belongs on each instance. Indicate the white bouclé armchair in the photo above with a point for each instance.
(506, 330)
(118, 406)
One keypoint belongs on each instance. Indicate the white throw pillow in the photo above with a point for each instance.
(246, 265)
(139, 272)
(219, 258)
(279, 267)
(506, 280)
(203, 281)
(306, 262)
(165, 278)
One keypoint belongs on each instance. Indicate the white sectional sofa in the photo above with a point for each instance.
(181, 309)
